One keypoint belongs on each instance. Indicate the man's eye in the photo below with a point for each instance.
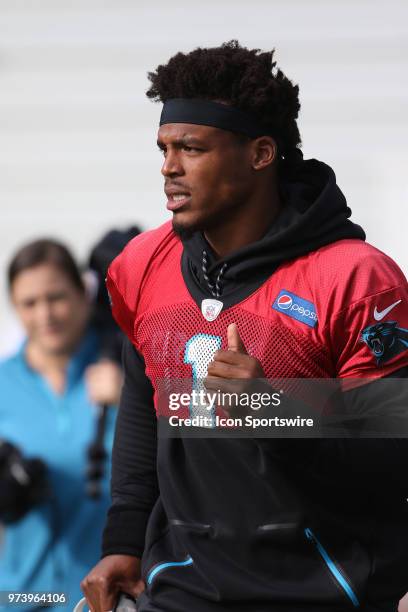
(188, 149)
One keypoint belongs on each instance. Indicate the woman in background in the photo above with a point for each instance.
(49, 397)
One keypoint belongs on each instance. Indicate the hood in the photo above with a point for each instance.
(314, 213)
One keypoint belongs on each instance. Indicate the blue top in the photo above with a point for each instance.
(55, 545)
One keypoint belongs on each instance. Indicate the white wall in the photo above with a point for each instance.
(77, 135)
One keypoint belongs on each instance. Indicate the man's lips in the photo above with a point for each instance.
(176, 198)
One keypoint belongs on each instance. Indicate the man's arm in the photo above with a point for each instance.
(134, 484)
(134, 491)
(377, 462)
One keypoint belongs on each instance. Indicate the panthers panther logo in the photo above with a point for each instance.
(385, 340)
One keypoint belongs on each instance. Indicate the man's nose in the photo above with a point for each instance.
(172, 164)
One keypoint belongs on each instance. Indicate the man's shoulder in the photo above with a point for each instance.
(362, 298)
(142, 257)
(142, 249)
(351, 252)
(148, 242)
(352, 263)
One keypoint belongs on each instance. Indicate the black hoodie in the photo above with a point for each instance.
(265, 526)
(314, 213)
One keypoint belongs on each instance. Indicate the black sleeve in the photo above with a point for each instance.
(380, 408)
(134, 484)
(376, 461)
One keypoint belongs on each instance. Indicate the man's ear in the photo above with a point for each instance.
(264, 152)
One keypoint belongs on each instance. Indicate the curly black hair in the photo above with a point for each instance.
(244, 78)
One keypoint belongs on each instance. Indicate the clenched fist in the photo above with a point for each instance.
(114, 574)
(233, 370)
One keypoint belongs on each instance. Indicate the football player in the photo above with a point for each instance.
(260, 274)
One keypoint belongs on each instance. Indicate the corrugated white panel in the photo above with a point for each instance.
(77, 134)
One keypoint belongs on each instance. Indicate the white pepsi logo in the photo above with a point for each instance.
(296, 307)
(285, 302)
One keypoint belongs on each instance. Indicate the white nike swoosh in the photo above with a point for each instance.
(378, 316)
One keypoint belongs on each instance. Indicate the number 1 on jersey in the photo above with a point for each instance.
(199, 351)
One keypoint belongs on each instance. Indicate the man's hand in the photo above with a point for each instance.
(114, 574)
(232, 370)
(403, 604)
(104, 382)
(234, 363)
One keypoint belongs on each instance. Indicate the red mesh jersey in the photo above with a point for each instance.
(349, 291)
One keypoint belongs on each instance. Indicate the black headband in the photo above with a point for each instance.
(214, 114)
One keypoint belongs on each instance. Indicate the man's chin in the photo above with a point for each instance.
(185, 231)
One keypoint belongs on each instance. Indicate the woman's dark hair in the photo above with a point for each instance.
(244, 78)
(45, 251)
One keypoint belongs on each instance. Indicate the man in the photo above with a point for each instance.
(260, 275)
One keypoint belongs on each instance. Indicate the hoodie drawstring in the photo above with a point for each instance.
(215, 289)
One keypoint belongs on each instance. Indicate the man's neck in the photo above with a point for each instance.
(246, 227)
